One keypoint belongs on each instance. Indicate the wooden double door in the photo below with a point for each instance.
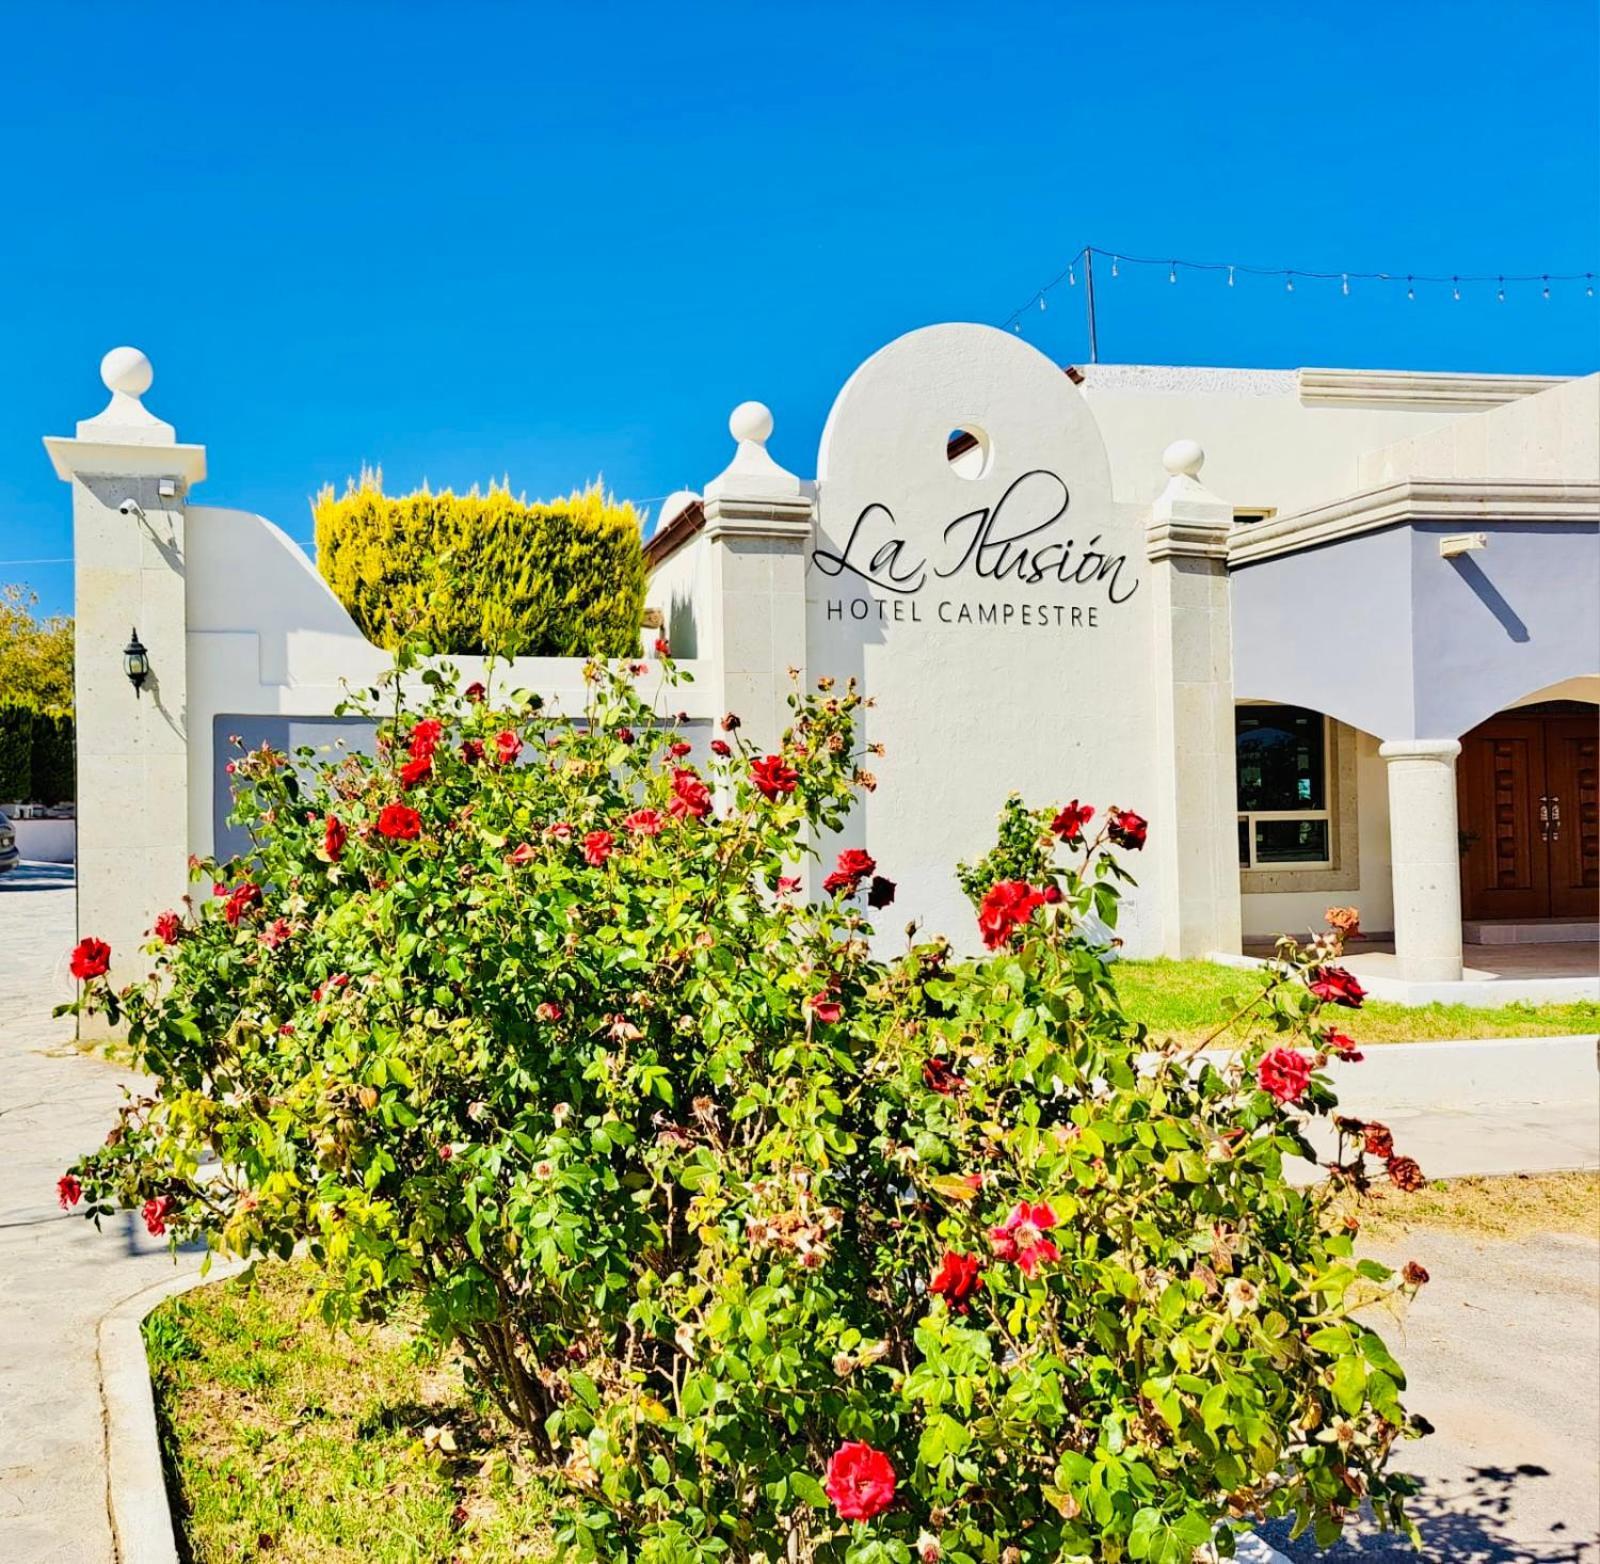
(1528, 786)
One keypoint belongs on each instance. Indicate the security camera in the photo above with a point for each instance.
(132, 508)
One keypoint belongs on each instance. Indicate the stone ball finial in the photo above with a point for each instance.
(1184, 457)
(128, 371)
(751, 421)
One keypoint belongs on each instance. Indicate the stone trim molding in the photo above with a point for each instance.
(739, 518)
(1344, 831)
(136, 1488)
(1391, 387)
(1412, 500)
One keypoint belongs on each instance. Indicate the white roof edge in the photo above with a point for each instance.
(1320, 387)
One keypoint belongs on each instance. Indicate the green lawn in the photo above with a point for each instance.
(291, 1442)
(1188, 999)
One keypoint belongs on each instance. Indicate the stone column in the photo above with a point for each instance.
(758, 528)
(1193, 831)
(130, 481)
(1425, 854)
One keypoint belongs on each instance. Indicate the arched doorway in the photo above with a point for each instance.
(1528, 785)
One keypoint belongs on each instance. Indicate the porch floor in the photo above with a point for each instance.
(1484, 963)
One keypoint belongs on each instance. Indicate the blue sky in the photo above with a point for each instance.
(552, 242)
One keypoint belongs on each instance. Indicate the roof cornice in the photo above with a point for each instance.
(1413, 500)
(1411, 388)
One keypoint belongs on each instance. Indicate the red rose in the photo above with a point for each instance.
(1069, 824)
(241, 899)
(826, 1008)
(1405, 1174)
(334, 837)
(956, 1280)
(475, 692)
(860, 1481)
(679, 748)
(1335, 986)
(561, 831)
(854, 866)
(597, 847)
(773, 776)
(1344, 1047)
(1284, 1073)
(415, 771)
(425, 737)
(1127, 829)
(155, 1214)
(939, 1075)
(787, 884)
(522, 853)
(1007, 905)
(623, 735)
(68, 1191)
(731, 723)
(663, 649)
(507, 746)
(1021, 1236)
(91, 958)
(1378, 1140)
(881, 892)
(399, 821)
(691, 798)
(169, 928)
(645, 822)
(548, 1011)
(276, 933)
(446, 1152)
(471, 751)
(720, 748)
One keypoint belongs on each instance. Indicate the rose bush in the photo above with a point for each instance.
(765, 1241)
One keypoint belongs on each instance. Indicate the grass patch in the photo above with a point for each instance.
(1189, 999)
(286, 1440)
(1516, 1206)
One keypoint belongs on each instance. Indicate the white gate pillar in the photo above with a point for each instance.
(1425, 855)
(130, 481)
(758, 528)
(1195, 832)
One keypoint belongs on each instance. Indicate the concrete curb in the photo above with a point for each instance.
(136, 1490)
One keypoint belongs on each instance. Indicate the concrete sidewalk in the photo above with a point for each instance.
(58, 1276)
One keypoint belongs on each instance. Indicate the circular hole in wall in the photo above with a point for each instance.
(967, 451)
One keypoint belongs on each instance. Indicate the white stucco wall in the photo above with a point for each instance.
(680, 587)
(267, 636)
(1267, 447)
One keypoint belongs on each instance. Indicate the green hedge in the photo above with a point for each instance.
(470, 571)
(36, 756)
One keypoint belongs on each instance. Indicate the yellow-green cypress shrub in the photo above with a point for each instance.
(559, 578)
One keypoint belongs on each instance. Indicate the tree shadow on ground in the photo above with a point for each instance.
(1470, 1522)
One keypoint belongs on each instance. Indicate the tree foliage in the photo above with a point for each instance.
(37, 763)
(35, 653)
(764, 1241)
(470, 572)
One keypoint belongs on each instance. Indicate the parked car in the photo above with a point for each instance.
(9, 856)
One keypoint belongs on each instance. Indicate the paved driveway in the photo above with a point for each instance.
(58, 1276)
(1502, 1350)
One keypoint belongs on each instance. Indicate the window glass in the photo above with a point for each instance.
(1280, 757)
(1291, 841)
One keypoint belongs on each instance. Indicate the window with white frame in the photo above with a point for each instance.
(1282, 760)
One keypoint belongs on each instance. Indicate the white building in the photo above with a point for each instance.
(1332, 631)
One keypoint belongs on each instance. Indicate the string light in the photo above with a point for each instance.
(1235, 271)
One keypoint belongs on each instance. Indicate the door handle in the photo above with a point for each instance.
(1555, 818)
(1544, 817)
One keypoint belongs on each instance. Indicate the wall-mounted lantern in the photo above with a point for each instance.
(136, 661)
